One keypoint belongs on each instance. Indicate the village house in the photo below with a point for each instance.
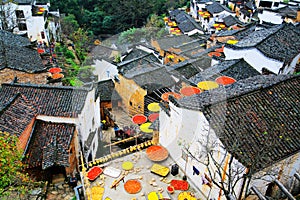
(213, 13)
(19, 62)
(265, 48)
(247, 130)
(138, 81)
(186, 24)
(169, 47)
(286, 14)
(54, 124)
(31, 19)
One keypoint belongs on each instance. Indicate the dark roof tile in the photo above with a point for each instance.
(106, 91)
(49, 144)
(16, 115)
(49, 100)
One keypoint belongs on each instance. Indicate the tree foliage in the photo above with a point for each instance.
(12, 176)
(111, 17)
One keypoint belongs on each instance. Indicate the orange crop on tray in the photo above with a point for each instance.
(180, 184)
(132, 186)
(94, 172)
(157, 153)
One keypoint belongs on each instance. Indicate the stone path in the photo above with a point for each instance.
(60, 191)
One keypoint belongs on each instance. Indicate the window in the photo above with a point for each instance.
(43, 34)
(276, 4)
(20, 14)
(22, 27)
(130, 103)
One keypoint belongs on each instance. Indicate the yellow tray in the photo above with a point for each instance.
(160, 170)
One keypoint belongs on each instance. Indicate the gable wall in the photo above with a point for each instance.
(255, 58)
(131, 92)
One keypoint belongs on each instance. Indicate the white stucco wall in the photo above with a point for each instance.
(291, 68)
(105, 70)
(269, 16)
(190, 128)
(254, 57)
(35, 24)
(89, 121)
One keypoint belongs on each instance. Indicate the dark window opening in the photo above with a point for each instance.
(130, 103)
(22, 27)
(43, 34)
(267, 4)
(20, 14)
(276, 4)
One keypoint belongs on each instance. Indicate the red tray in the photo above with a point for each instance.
(94, 172)
(180, 184)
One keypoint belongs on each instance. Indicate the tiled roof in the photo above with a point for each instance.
(230, 21)
(134, 53)
(100, 52)
(238, 69)
(20, 58)
(216, 7)
(128, 65)
(106, 90)
(184, 21)
(262, 127)
(16, 115)
(49, 100)
(256, 37)
(10, 39)
(191, 67)
(257, 119)
(190, 48)
(168, 42)
(287, 11)
(283, 45)
(154, 78)
(49, 144)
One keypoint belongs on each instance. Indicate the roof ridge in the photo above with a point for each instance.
(44, 86)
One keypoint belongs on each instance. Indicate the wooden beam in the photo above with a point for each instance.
(258, 193)
(284, 190)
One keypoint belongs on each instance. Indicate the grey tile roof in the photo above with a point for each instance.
(48, 100)
(267, 111)
(216, 7)
(191, 67)
(131, 65)
(268, 123)
(155, 77)
(16, 115)
(168, 42)
(287, 11)
(16, 54)
(184, 21)
(238, 69)
(106, 90)
(230, 21)
(100, 52)
(49, 144)
(10, 39)
(21, 58)
(256, 37)
(283, 45)
(134, 53)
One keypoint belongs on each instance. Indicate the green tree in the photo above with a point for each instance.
(69, 24)
(12, 176)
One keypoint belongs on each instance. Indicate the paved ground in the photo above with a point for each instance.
(141, 172)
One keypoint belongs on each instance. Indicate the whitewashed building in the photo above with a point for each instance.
(31, 19)
(221, 136)
(275, 49)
